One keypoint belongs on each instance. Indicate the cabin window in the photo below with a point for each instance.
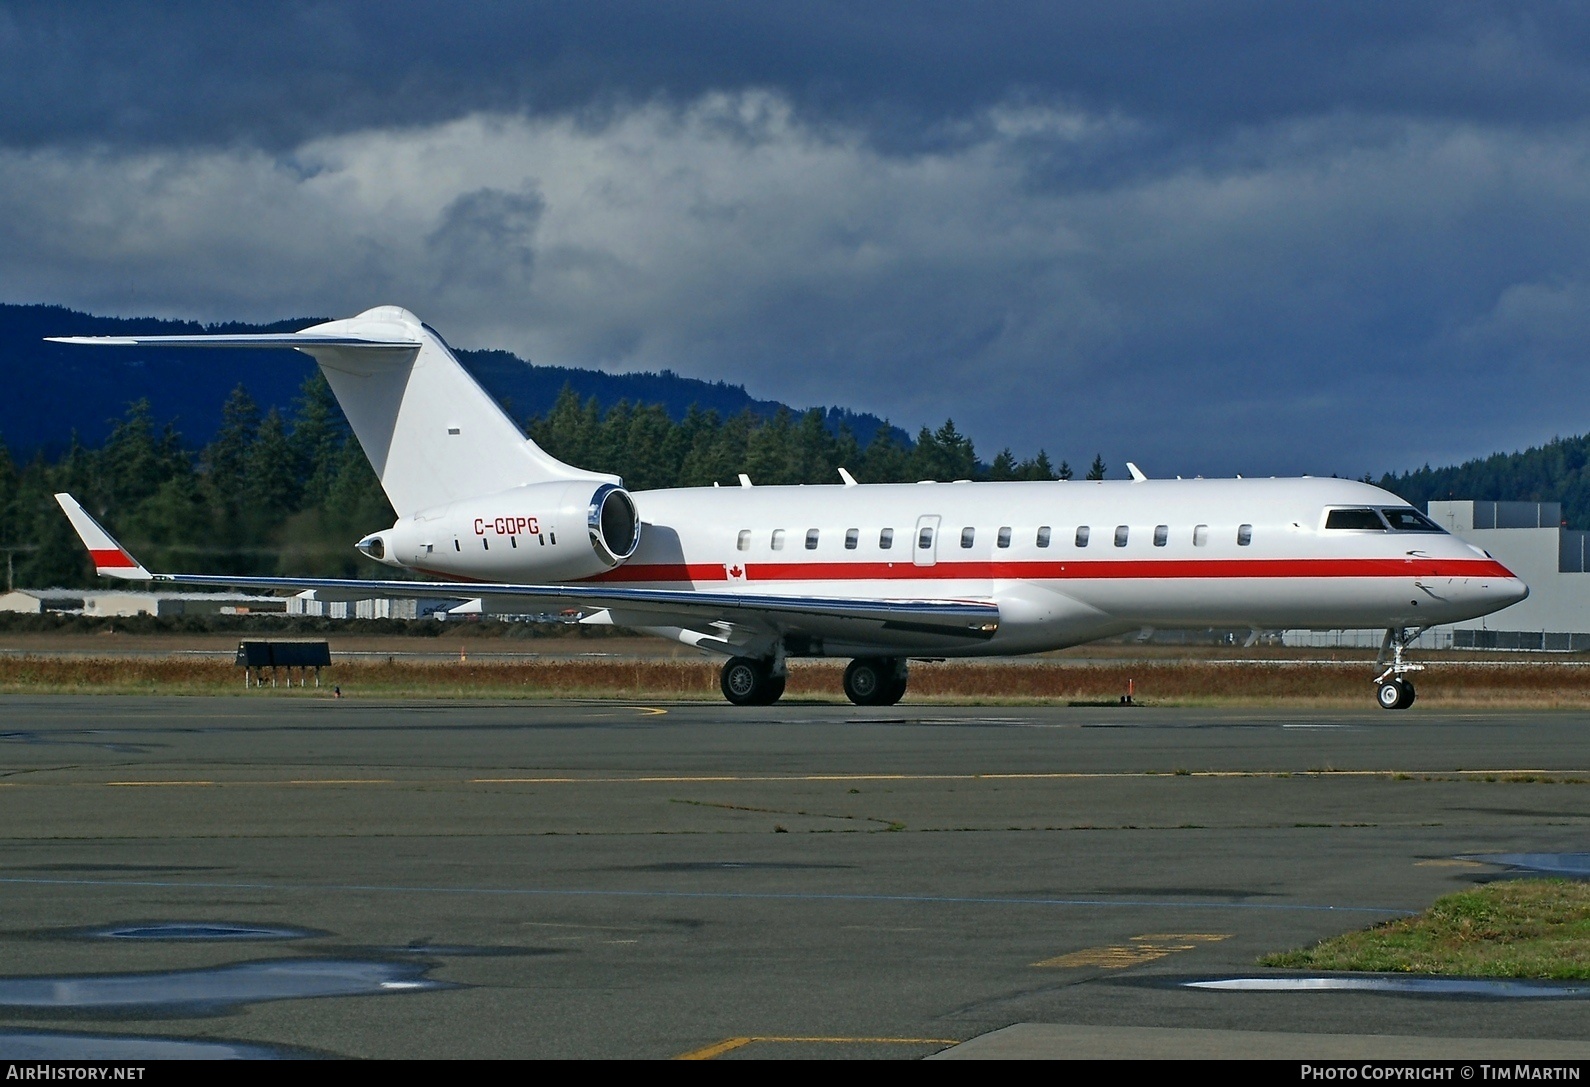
(778, 539)
(1161, 535)
(1405, 519)
(885, 539)
(852, 538)
(1043, 536)
(1200, 535)
(811, 539)
(1358, 520)
(1244, 535)
(924, 539)
(1082, 535)
(1004, 537)
(1120, 535)
(968, 536)
(744, 541)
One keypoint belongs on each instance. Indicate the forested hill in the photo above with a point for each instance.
(1558, 471)
(53, 390)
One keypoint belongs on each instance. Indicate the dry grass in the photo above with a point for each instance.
(1536, 684)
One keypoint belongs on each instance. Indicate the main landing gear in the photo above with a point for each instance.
(875, 681)
(1392, 690)
(759, 681)
(750, 681)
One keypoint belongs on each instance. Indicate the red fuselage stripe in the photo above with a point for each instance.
(1068, 570)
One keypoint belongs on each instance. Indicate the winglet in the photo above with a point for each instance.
(110, 558)
(1137, 473)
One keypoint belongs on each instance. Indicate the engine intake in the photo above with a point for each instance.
(614, 525)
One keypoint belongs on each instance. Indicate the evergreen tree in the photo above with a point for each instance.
(846, 450)
(318, 433)
(9, 480)
(1097, 470)
(1039, 468)
(812, 457)
(225, 459)
(135, 461)
(885, 460)
(945, 454)
(270, 484)
(769, 451)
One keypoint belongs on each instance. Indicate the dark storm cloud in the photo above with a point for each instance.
(1215, 237)
(911, 74)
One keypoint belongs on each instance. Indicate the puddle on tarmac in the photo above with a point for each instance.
(219, 987)
(38, 1045)
(1404, 986)
(1556, 864)
(199, 930)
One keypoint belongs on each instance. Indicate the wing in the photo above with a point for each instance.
(907, 624)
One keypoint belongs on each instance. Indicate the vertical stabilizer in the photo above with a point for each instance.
(432, 434)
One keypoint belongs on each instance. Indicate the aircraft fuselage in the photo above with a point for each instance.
(1066, 562)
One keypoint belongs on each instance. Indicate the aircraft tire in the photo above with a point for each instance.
(747, 681)
(897, 687)
(870, 681)
(1395, 694)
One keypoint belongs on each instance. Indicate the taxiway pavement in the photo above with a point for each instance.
(606, 880)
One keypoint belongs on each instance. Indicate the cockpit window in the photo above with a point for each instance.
(1355, 519)
(1406, 519)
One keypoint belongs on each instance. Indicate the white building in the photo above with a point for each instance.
(1527, 538)
(119, 602)
(313, 602)
(38, 601)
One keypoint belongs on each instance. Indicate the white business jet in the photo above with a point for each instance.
(880, 573)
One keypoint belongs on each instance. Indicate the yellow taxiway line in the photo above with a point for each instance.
(717, 1049)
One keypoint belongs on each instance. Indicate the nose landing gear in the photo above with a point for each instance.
(1394, 692)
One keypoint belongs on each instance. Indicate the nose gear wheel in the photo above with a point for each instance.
(1393, 691)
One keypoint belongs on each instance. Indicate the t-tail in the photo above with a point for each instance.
(431, 433)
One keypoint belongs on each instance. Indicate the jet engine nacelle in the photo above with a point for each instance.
(558, 531)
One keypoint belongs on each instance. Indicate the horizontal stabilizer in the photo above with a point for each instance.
(111, 559)
(431, 433)
(273, 339)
